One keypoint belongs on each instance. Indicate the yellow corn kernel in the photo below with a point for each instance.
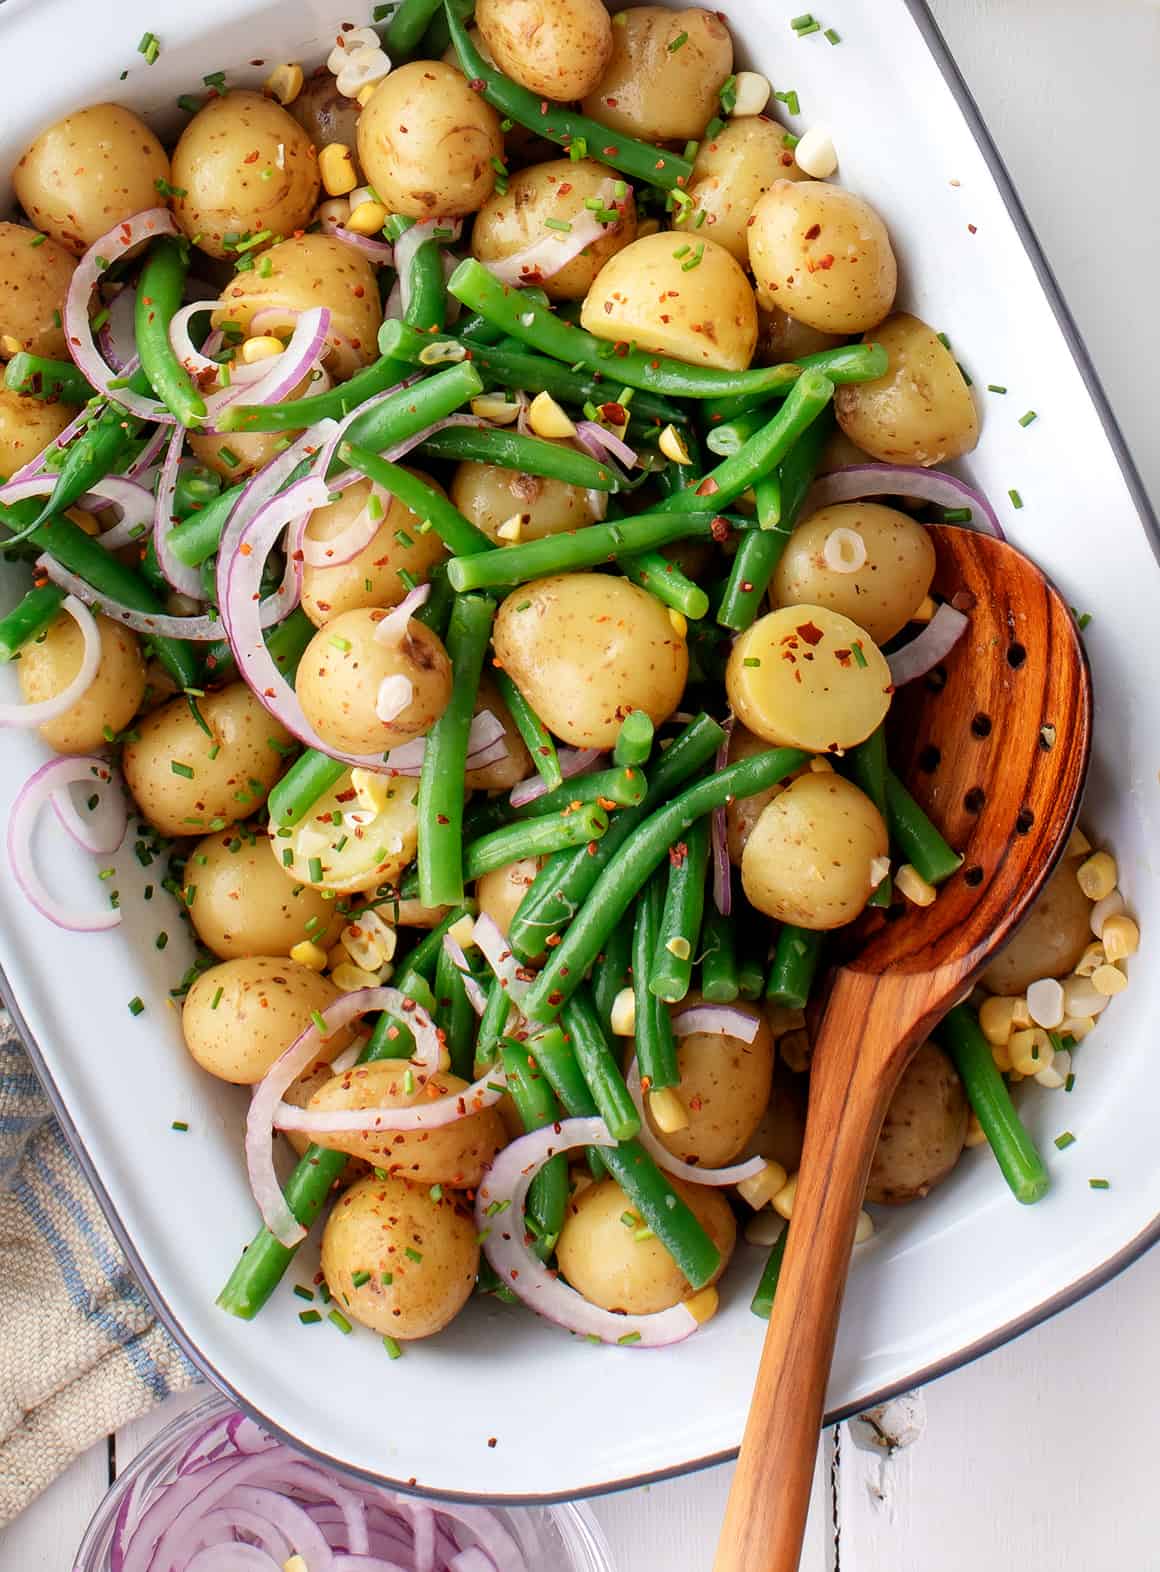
(1098, 875)
(926, 610)
(782, 1019)
(703, 1306)
(83, 519)
(284, 83)
(673, 446)
(1030, 1051)
(365, 94)
(1020, 1014)
(997, 1018)
(9, 346)
(668, 1111)
(1001, 1056)
(764, 1229)
(463, 931)
(679, 622)
(1121, 937)
(548, 419)
(1091, 960)
(762, 1188)
(783, 1200)
(367, 218)
(976, 1136)
(794, 1049)
(623, 1014)
(513, 528)
(336, 169)
(1109, 980)
(910, 883)
(295, 1564)
(263, 348)
(307, 953)
(1078, 844)
(495, 407)
(865, 1228)
(349, 979)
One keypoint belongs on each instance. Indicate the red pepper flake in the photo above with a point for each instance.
(477, 84)
(843, 657)
(678, 853)
(251, 158)
(592, 848)
(719, 529)
(615, 414)
(610, 152)
(822, 265)
(813, 231)
(441, 818)
(810, 632)
(707, 487)
(972, 229)
(555, 997)
(492, 1440)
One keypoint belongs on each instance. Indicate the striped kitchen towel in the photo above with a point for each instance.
(81, 1351)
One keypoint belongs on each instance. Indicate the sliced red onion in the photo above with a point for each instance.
(573, 761)
(660, 1154)
(719, 840)
(934, 643)
(26, 715)
(100, 829)
(182, 345)
(32, 796)
(331, 433)
(856, 481)
(118, 337)
(185, 580)
(598, 440)
(345, 546)
(134, 501)
(431, 1115)
(556, 248)
(393, 307)
(513, 978)
(410, 241)
(485, 736)
(597, 505)
(281, 374)
(148, 455)
(377, 251)
(471, 986)
(196, 630)
(393, 628)
(499, 1216)
(725, 1020)
(471, 1560)
(395, 693)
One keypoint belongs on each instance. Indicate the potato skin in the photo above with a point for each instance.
(500, 892)
(724, 1085)
(823, 255)
(781, 338)
(34, 280)
(325, 114)
(265, 1003)
(48, 665)
(729, 174)
(375, 854)
(27, 425)
(489, 495)
(653, 91)
(426, 142)
(742, 813)
(248, 905)
(557, 49)
(880, 596)
(921, 411)
(644, 295)
(1051, 939)
(88, 172)
(370, 1229)
(584, 649)
(923, 1133)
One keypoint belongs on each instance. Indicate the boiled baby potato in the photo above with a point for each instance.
(490, 495)
(453, 1154)
(325, 114)
(242, 453)
(557, 49)
(245, 165)
(359, 835)
(781, 1130)
(27, 426)
(647, 295)
(811, 857)
(49, 663)
(742, 813)
(500, 892)
(1051, 939)
(921, 411)
(373, 576)
(183, 780)
(656, 87)
(604, 1260)
(349, 679)
(923, 1133)
(34, 279)
(839, 453)
(510, 221)
(781, 338)
(731, 170)
(881, 594)
(823, 255)
(298, 1095)
(428, 144)
(516, 765)
(309, 271)
(808, 677)
(248, 905)
(242, 1015)
(586, 648)
(724, 1086)
(88, 172)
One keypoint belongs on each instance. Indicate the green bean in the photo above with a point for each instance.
(51, 381)
(552, 1052)
(158, 298)
(718, 958)
(423, 958)
(437, 39)
(599, 1068)
(407, 27)
(656, 1044)
(476, 328)
(195, 539)
(454, 1015)
(310, 777)
(848, 363)
(638, 160)
(337, 402)
(457, 533)
(29, 618)
(101, 449)
(531, 1091)
(436, 612)
(534, 838)
(623, 786)
(537, 738)
(867, 765)
(611, 973)
(912, 832)
(441, 788)
(530, 455)
(1015, 1152)
(732, 436)
(634, 740)
(762, 1302)
(794, 966)
(679, 933)
(646, 847)
(492, 1026)
(286, 643)
(664, 579)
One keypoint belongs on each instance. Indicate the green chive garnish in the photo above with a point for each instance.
(136, 1005)
(1065, 1140)
(1025, 420)
(336, 1318)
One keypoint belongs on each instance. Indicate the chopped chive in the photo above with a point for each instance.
(386, 1278)
(1016, 499)
(831, 36)
(995, 387)
(801, 21)
(1099, 1184)
(695, 259)
(217, 999)
(359, 1278)
(943, 340)
(161, 940)
(314, 870)
(392, 1348)
(412, 1255)
(136, 1005)
(336, 1318)
(956, 515)
(678, 42)
(189, 103)
(804, 32)
(1083, 619)
(1070, 1082)
(1065, 1140)
(163, 188)
(964, 373)
(1025, 420)
(181, 769)
(436, 1192)
(629, 1337)
(309, 1317)
(859, 657)
(150, 47)
(180, 1125)
(561, 224)
(682, 251)
(339, 643)
(302, 1292)
(215, 79)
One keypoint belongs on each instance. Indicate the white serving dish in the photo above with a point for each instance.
(940, 1282)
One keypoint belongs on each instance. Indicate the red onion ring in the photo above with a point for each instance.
(432, 1115)
(182, 345)
(856, 481)
(393, 628)
(726, 1020)
(410, 241)
(26, 716)
(344, 547)
(719, 840)
(573, 761)
(513, 978)
(934, 643)
(147, 457)
(195, 630)
(36, 791)
(470, 986)
(599, 441)
(552, 252)
(130, 496)
(185, 580)
(486, 744)
(118, 337)
(281, 374)
(499, 1217)
(660, 1154)
(377, 251)
(99, 830)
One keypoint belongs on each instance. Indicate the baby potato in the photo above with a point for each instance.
(781, 338)
(646, 296)
(795, 679)
(823, 255)
(881, 595)
(604, 1260)
(923, 1133)
(88, 172)
(228, 786)
(839, 453)
(247, 905)
(452, 1154)
(724, 1086)
(1051, 939)
(742, 813)
(298, 1094)
(373, 576)
(557, 49)
(27, 426)
(347, 675)
(245, 165)
(325, 114)
(421, 1255)
(308, 271)
(34, 279)
(48, 664)
(517, 765)
(426, 142)
(584, 649)
(511, 221)
(264, 1003)
(360, 834)
(501, 891)
(490, 495)
(921, 411)
(654, 87)
(730, 172)
(809, 859)
(780, 1132)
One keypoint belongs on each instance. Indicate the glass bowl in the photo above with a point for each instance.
(564, 1538)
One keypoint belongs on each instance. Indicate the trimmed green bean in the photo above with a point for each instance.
(794, 967)
(762, 1302)
(623, 786)
(598, 1066)
(101, 449)
(1015, 1151)
(536, 1104)
(611, 973)
(436, 613)
(528, 838)
(718, 958)
(634, 740)
(310, 777)
(529, 455)
(867, 765)
(195, 539)
(679, 933)
(29, 618)
(920, 842)
(847, 363)
(454, 1015)
(407, 26)
(296, 414)
(664, 579)
(457, 533)
(537, 738)
(51, 381)
(731, 437)
(552, 1052)
(656, 1043)
(492, 1026)
(158, 299)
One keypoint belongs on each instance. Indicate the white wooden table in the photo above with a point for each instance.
(1041, 1455)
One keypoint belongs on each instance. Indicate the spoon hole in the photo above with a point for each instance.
(936, 679)
(974, 800)
(981, 725)
(1016, 655)
(929, 759)
(1024, 821)
(973, 876)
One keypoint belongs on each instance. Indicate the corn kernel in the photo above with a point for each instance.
(976, 1136)
(307, 953)
(284, 83)
(1109, 980)
(910, 883)
(1093, 957)
(547, 419)
(764, 1229)
(1111, 906)
(668, 1111)
(926, 610)
(751, 93)
(782, 1019)
(336, 169)
(1121, 937)
(1045, 1002)
(762, 1188)
(673, 446)
(1077, 1026)
(1098, 875)
(679, 622)
(463, 931)
(367, 218)
(1082, 997)
(623, 1015)
(783, 1200)
(513, 528)
(349, 979)
(703, 1306)
(794, 1049)
(1078, 844)
(263, 348)
(997, 1018)
(1030, 1051)
(1001, 1056)
(495, 407)
(83, 519)
(865, 1228)
(9, 346)
(1020, 1014)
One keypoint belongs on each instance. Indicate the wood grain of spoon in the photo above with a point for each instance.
(995, 745)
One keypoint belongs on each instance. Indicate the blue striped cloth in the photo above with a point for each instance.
(81, 1351)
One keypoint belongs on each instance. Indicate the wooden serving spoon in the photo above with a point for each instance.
(994, 745)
